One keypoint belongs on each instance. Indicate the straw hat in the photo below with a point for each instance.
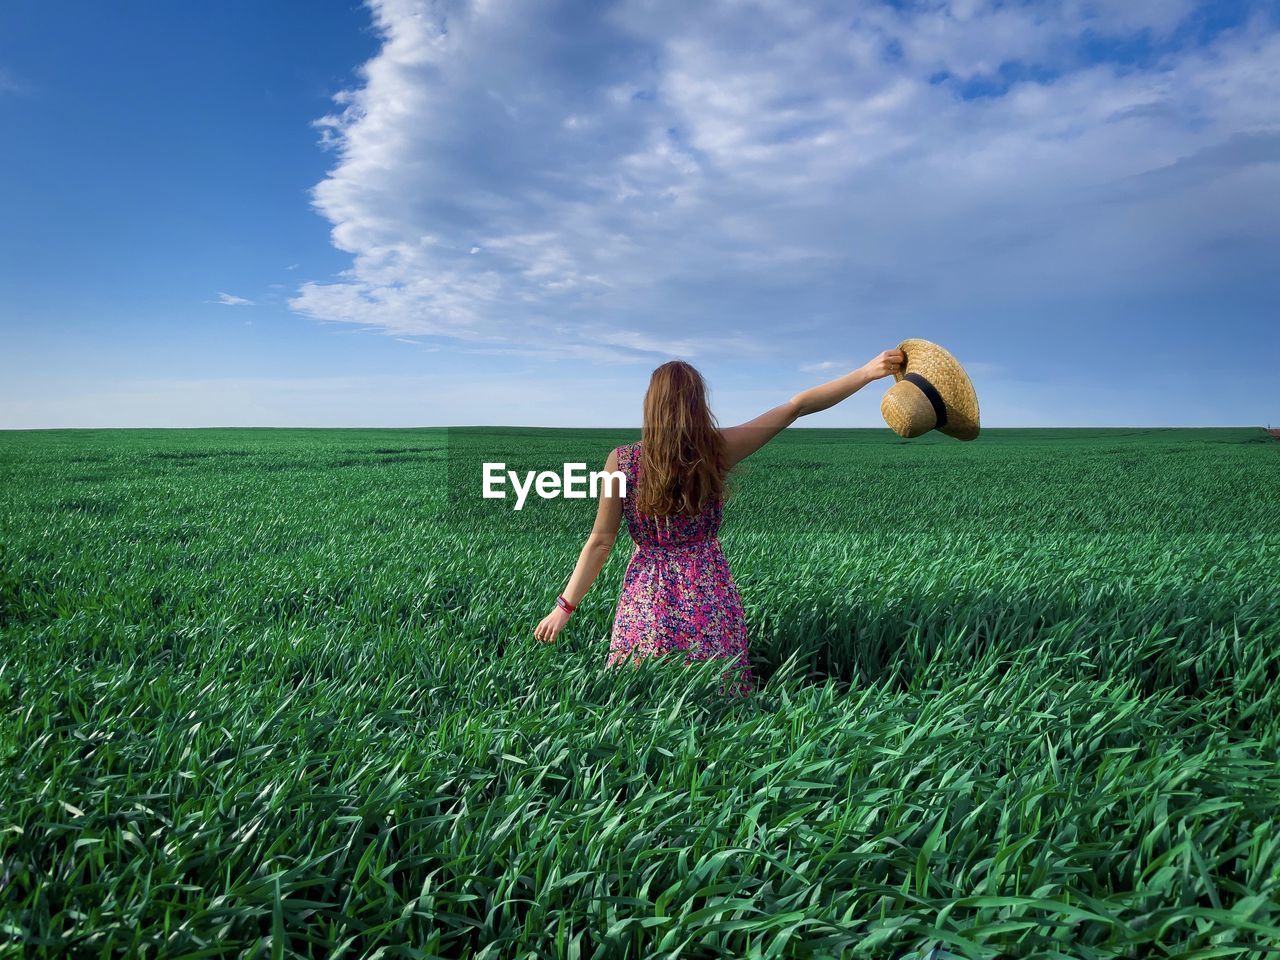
(932, 393)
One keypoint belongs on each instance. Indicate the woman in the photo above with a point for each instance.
(677, 592)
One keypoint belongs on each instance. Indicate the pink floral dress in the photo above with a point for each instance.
(677, 592)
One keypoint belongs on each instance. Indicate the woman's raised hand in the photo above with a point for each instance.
(884, 363)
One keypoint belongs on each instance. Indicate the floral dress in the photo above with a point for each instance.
(677, 592)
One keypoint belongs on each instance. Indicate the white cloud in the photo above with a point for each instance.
(233, 301)
(667, 178)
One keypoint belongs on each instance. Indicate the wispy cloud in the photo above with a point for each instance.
(9, 83)
(694, 181)
(424, 347)
(233, 301)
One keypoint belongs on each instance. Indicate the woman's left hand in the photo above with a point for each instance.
(551, 625)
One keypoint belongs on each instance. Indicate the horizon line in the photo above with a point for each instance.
(526, 426)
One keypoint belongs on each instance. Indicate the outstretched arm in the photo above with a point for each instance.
(746, 438)
(593, 556)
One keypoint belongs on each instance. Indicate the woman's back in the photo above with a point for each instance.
(678, 595)
(672, 531)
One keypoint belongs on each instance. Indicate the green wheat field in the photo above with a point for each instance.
(274, 692)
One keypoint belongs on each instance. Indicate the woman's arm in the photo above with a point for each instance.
(746, 438)
(593, 556)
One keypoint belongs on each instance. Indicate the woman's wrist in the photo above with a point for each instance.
(564, 605)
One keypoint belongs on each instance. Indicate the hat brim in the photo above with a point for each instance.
(949, 378)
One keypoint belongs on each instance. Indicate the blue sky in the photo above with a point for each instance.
(404, 213)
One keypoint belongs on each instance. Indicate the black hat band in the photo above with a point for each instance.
(934, 397)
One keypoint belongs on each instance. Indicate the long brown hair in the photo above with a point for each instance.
(682, 462)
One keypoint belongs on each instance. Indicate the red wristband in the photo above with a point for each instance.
(564, 605)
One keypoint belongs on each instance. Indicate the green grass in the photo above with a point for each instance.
(274, 692)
